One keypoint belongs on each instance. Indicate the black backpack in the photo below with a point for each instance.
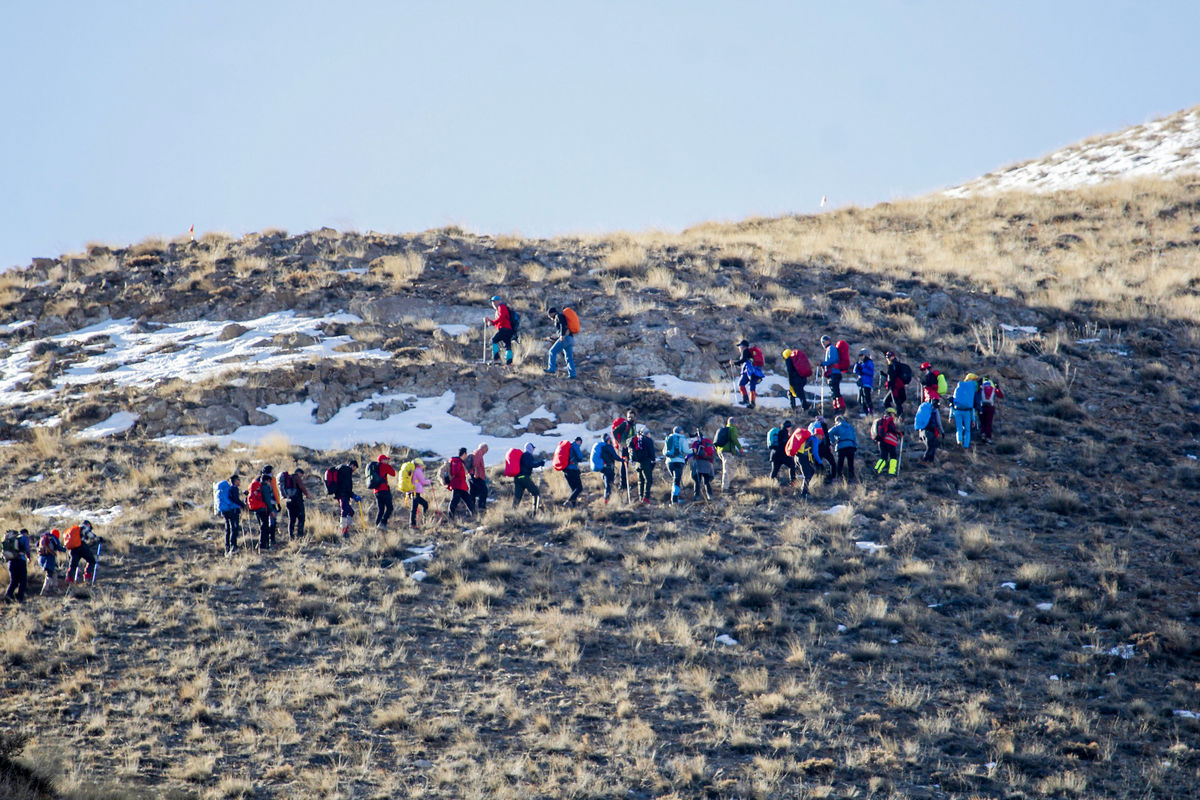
(515, 320)
(904, 372)
(722, 437)
(373, 479)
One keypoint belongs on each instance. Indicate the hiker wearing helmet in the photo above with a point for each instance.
(989, 396)
(477, 477)
(523, 482)
(17, 551)
(49, 546)
(728, 446)
(419, 484)
(864, 368)
(933, 384)
(377, 481)
(799, 370)
(564, 343)
(751, 360)
(896, 379)
(845, 442)
(887, 434)
(964, 400)
(503, 323)
(675, 449)
(833, 373)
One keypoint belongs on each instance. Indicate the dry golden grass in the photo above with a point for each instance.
(401, 269)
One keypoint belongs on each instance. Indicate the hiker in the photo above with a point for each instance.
(964, 401)
(460, 488)
(604, 461)
(291, 486)
(896, 379)
(622, 432)
(800, 449)
(49, 546)
(864, 368)
(989, 394)
(565, 343)
(777, 439)
(822, 448)
(799, 370)
(845, 442)
(263, 499)
(17, 552)
(505, 330)
(418, 484)
(928, 424)
(750, 358)
(643, 454)
(703, 453)
(344, 493)
(833, 373)
(523, 482)
(675, 450)
(80, 539)
(728, 446)
(885, 431)
(377, 481)
(477, 477)
(933, 383)
(570, 470)
(230, 505)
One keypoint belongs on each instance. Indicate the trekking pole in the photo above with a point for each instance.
(900, 457)
(361, 519)
(96, 566)
(484, 331)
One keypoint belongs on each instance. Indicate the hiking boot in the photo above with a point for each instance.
(549, 371)
(646, 500)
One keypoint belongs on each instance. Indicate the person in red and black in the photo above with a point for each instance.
(893, 379)
(383, 491)
(79, 545)
(458, 484)
(887, 434)
(502, 322)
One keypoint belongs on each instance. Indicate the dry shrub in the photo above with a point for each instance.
(402, 269)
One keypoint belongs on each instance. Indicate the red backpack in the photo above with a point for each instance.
(795, 442)
(620, 428)
(331, 480)
(704, 450)
(843, 348)
(756, 357)
(254, 500)
(512, 463)
(562, 455)
(801, 365)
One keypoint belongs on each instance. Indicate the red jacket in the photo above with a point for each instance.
(385, 469)
(502, 321)
(458, 475)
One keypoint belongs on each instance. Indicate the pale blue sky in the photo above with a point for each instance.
(125, 120)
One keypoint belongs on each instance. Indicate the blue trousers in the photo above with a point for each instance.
(565, 344)
(962, 425)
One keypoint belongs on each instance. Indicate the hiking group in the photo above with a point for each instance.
(82, 546)
(507, 323)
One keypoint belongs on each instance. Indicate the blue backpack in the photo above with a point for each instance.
(676, 446)
(597, 461)
(924, 416)
(964, 395)
(773, 437)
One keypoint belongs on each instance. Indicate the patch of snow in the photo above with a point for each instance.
(454, 329)
(842, 628)
(419, 575)
(103, 516)
(961, 493)
(353, 271)
(1192, 456)
(1008, 585)
(419, 557)
(1028, 330)
(117, 423)
(12, 327)
(1045, 606)
(1180, 712)
(1054, 678)
(48, 422)
(870, 547)
(1086, 341)
(41, 476)
(836, 509)
(1121, 651)
(541, 412)
(726, 639)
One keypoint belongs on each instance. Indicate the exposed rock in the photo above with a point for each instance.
(1037, 371)
(219, 419)
(940, 305)
(231, 331)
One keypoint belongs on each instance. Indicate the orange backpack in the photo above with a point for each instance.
(572, 321)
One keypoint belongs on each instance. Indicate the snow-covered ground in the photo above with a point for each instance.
(66, 515)
(117, 423)
(1163, 148)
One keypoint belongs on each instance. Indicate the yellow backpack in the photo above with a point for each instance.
(406, 473)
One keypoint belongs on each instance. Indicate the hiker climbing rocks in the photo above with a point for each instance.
(503, 322)
(800, 449)
(822, 449)
(80, 539)
(417, 484)
(965, 400)
(460, 488)
(864, 368)
(604, 460)
(703, 453)
(377, 481)
(928, 424)
(750, 357)
(887, 434)
(291, 486)
(230, 505)
(263, 499)
(477, 477)
(728, 446)
(49, 546)
(565, 342)
(644, 456)
(17, 553)
(989, 397)
(799, 370)
(567, 457)
(675, 450)
(777, 439)
(845, 443)
(896, 379)
(523, 482)
(344, 493)
(623, 429)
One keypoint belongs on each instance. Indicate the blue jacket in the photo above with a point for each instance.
(228, 499)
(865, 370)
(575, 457)
(832, 359)
(843, 435)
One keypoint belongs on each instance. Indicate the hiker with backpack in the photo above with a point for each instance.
(989, 396)
(777, 439)
(477, 477)
(799, 370)
(567, 457)
(604, 460)
(928, 424)
(896, 379)
(291, 486)
(17, 552)
(229, 506)
(49, 546)
(460, 488)
(417, 483)
(80, 539)
(523, 480)
(263, 499)
(887, 434)
(800, 448)
(566, 325)
(831, 363)
(675, 450)
(343, 492)
(728, 445)
(822, 448)
(642, 449)
(750, 357)
(933, 383)
(378, 472)
(965, 400)
(505, 322)
(845, 443)
(623, 429)
(864, 368)
(703, 454)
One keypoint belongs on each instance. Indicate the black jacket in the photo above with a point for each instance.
(528, 464)
(345, 481)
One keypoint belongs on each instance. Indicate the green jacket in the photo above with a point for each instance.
(733, 445)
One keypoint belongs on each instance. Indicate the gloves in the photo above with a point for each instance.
(356, 498)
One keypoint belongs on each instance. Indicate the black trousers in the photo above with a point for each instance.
(233, 528)
(417, 500)
(845, 463)
(523, 484)
(645, 478)
(461, 497)
(383, 505)
(18, 579)
(479, 493)
(931, 446)
(575, 481)
(705, 478)
(82, 553)
(781, 460)
(266, 528)
(609, 479)
(864, 398)
(295, 511)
